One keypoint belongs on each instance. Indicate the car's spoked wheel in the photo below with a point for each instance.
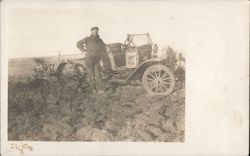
(65, 72)
(158, 80)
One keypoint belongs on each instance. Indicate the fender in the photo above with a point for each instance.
(143, 66)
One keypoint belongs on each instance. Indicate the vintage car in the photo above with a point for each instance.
(134, 57)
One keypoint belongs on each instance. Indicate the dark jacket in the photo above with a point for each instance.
(94, 45)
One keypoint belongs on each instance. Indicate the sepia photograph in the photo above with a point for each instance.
(72, 76)
(101, 77)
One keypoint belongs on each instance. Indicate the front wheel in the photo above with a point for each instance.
(158, 80)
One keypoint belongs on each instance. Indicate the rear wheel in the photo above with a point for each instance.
(70, 72)
(158, 80)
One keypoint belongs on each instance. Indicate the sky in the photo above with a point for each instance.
(45, 29)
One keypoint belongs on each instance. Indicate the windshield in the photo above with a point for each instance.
(139, 39)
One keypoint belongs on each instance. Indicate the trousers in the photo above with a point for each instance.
(106, 62)
(94, 72)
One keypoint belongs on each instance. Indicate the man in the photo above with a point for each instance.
(96, 50)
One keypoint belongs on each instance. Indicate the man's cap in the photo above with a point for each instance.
(94, 28)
